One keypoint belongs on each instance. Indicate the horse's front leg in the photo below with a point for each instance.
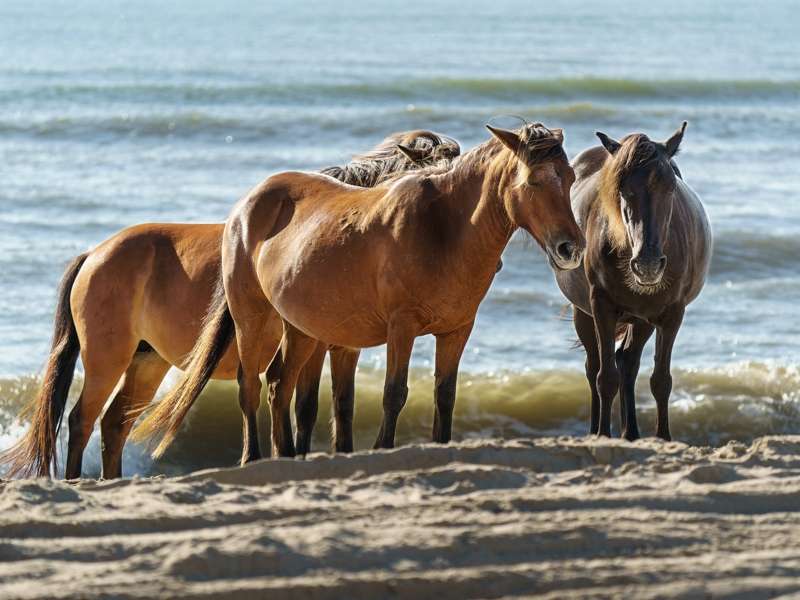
(605, 323)
(449, 348)
(399, 343)
(584, 327)
(661, 380)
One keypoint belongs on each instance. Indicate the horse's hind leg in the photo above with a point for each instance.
(103, 368)
(139, 385)
(256, 337)
(343, 375)
(282, 374)
(627, 358)
(584, 327)
(449, 349)
(306, 400)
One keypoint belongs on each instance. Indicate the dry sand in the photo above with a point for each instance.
(552, 517)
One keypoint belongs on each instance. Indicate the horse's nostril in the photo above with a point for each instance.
(565, 250)
(662, 264)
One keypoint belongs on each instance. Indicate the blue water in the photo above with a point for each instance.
(117, 114)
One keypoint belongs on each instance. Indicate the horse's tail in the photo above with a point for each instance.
(215, 338)
(35, 454)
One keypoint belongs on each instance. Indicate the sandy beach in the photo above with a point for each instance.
(551, 517)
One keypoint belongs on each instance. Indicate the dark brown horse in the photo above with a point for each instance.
(134, 306)
(363, 267)
(648, 249)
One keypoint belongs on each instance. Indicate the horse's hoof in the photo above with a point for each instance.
(631, 436)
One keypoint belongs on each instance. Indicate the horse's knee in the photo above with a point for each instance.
(661, 384)
(446, 393)
(608, 381)
(394, 397)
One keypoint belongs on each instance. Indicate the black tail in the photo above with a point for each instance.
(215, 338)
(35, 453)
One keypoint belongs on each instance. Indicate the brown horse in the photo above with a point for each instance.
(134, 306)
(648, 253)
(358, 268)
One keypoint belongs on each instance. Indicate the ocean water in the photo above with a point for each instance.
(152, 111)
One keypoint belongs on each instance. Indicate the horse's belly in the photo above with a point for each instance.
(336, 320)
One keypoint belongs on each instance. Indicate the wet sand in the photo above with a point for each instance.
(552, 517)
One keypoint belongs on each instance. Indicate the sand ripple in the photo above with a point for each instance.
(552, 517)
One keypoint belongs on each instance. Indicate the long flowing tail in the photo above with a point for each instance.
(166, 418)
(35, 454)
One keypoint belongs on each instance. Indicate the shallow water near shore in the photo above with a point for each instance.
(172, 113)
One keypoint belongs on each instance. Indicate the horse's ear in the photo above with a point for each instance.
(559, 134)
(674, 142)
(509, 139)
(414, 155)
(609, 144)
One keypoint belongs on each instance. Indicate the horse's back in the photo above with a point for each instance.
(153, 251)
(589, 161)
(149, 282)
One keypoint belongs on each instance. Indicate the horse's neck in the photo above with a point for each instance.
(473, 194)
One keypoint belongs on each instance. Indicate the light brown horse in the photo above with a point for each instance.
(362, 267)
(648, 253)
(134, 306)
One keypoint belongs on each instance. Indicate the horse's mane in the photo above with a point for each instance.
(636, 150)
(385, 161)
(538, 142)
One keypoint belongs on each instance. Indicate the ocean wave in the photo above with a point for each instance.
(709, 406)
(405, 89)
(275, 123)
(754, 255)
(157, 125)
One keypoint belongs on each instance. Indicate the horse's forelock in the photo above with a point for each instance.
(541, 143)
(636, 150)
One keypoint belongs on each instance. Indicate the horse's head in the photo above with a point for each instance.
(638, 190)
(425, 148)
(537, 198)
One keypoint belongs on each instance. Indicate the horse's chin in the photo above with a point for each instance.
(641, 286)
(560, 265)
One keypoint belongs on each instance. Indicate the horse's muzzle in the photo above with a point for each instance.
(648, 270)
